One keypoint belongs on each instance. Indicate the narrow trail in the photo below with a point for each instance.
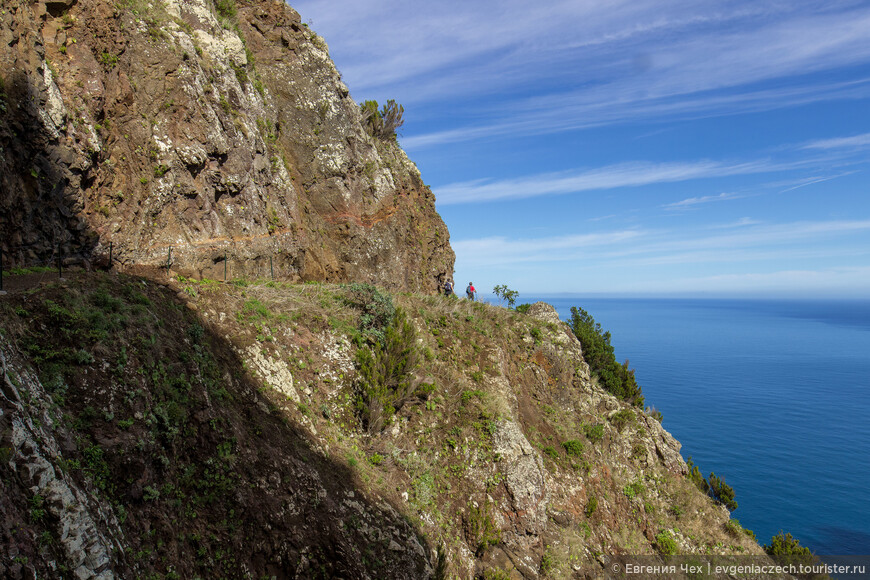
(14, 283)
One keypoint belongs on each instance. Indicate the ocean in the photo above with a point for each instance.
(771, 395)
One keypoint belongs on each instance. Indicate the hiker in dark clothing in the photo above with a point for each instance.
(448, 288)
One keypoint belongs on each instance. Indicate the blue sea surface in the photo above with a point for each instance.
(773, 396)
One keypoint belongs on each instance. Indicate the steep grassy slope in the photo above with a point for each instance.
(199, 429)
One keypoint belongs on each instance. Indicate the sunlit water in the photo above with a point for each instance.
(773, 396)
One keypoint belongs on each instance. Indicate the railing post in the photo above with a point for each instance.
(59, 264)
(225, 267)
(1, 270)
(168, 259)
(271, 269)
(110, 255)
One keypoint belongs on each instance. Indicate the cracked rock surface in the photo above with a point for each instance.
(179, 134)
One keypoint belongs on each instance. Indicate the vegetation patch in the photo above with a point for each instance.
(382, 123)
(573, 447)
(598, 353)
(784, 544)
(713, 486)
(480, 528)
(170, 451)
(594, 433)
(665, 543)
(226, 9)
(621, 419)
(591, 506)
(384, 373)
(376, 311)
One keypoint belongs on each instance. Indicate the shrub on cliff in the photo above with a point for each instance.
(713, 486)
(598, 353)
(786, 549)
(506, 295)
(377, 311)
(695, 476)
(384, 122)
(722, 492)
(784, 544)
(226, 8)
(385, 379)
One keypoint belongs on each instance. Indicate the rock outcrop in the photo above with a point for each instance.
(180, 132)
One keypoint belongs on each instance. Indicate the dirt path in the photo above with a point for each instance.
(20, 282)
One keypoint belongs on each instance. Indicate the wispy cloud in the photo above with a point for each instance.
(843, 281)
(615, 104)
(609, 177)
(741, 223)
(500, 249)
(813, 180)
(763, 235)
(841, 142)
(744, 241)
(693, 201)
(638, 59)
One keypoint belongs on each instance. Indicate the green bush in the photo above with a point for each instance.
(591, 506)
(654, 413)
(734, 528)
(784, 544)
(548, 563)
(695, 477)
(226, 8)
(466, 396)
(254, 310)
(523, 308)
(598, 353)
(666, 543)
(634, 489)
(377, 310)
(384, 122)
(623, 418)
(480, 528)
(573, 447)
(385, 380)
(713, 486)
(722, 492)
(594, 433)
(37, 508)
(505, 294)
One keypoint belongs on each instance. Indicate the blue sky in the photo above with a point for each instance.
(630, 147)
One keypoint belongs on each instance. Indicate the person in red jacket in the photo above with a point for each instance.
(470, 291)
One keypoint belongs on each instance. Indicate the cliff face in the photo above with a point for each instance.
(193, 429)
(180, 428)
(221, 133)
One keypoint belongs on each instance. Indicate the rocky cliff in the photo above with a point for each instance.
(185, 429)
(170, 426)
(219, 130)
